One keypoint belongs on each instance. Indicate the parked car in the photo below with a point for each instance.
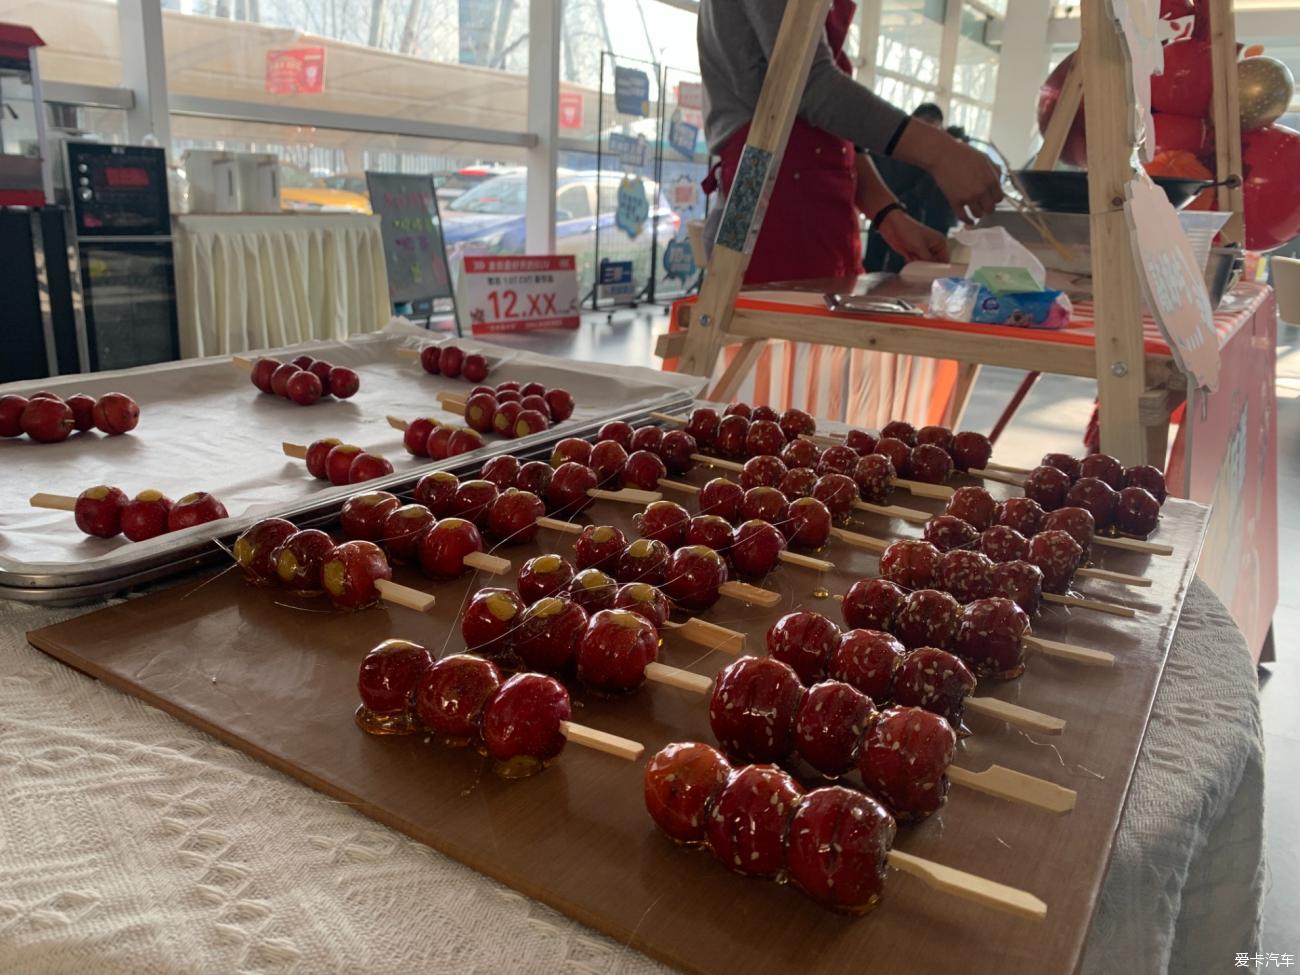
(489, 219)
(301, 191)
(450, 185)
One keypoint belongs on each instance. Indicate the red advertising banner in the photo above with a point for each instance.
(295, 71)
(503, 293)
(570, 110)
(1229, 461)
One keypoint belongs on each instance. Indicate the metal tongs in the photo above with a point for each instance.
(871, 304)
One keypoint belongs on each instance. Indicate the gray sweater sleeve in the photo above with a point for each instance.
(736, 38)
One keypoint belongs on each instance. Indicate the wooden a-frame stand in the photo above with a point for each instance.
(1135, 400)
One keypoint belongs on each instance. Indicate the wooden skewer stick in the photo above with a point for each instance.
(1133, 545)
(911, 515)
(750, 594)
(1014, 714)
(923, 489)
(55, 502)
(491, 564)
(602, 741)
(669, 418)
(400, 595)
(1006, 468)
(875, 545)
(718, 462)
(676, 677)
(1068, 651)
(805, 561)
(823, 439)
(999, 476)
(969, 887)
(405, 353)
(242, 362)
(626, 495)
(568, 527)
(681, 486)
(296, 450)
(1106, 575)
(1096, 605)
(397, 423)
(1005, 783)
(710, 635)
(452, 402)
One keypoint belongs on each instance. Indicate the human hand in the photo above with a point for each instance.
(967, 177)
(913, 239)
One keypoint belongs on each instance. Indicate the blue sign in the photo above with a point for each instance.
(630, 150)
(679, 262)
(616, 281)
(682, 136)
(632, 91)
(633, 207)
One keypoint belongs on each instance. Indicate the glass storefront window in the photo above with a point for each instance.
(911, 37)
(82, 41)
(459, 62)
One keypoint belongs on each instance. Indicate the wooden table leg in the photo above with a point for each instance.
(741, 366)
(967, 374)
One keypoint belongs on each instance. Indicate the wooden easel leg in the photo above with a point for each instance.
(1120, 358)
(802, 26)
(1063, 113)
(967, 374)
(741, 366)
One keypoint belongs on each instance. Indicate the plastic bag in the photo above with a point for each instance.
(996, 252)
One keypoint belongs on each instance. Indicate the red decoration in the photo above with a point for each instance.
(1270, 159)
(1186, 85)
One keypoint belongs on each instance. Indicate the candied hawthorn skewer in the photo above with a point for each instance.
(105, 511)
(917, 564)
(354, 574)
(1133, 508)
(340, 463)
(878, 665)
(833, 843)
(523, 722)
(759, 708)
(995, 641)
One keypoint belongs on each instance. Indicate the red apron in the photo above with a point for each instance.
(811, 227)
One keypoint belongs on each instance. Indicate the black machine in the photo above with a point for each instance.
(91, 285)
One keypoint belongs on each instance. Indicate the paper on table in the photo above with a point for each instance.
(204, 427)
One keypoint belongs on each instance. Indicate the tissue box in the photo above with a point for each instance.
(968, 301)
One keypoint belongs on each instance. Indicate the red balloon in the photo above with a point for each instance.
(1074, 152)
(1185, 132)
(1270, 160)
(1186, 86)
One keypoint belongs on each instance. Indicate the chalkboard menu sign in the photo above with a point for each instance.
(412, 230)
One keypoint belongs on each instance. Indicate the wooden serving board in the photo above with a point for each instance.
(276, 677)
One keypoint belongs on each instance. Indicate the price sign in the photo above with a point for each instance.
(1174, 285)
(502, 293)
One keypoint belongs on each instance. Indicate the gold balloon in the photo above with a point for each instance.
(1264, 91)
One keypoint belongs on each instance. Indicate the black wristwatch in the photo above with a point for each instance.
(885, 211)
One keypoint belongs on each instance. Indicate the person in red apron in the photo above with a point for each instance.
(811, 228)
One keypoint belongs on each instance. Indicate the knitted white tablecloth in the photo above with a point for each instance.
(133, 843)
